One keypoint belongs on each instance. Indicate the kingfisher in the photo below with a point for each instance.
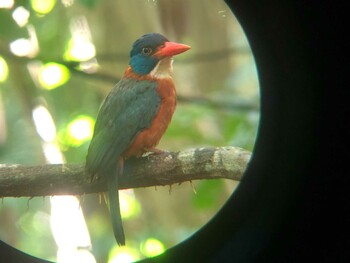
(134, 116)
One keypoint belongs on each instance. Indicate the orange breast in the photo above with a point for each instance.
(149, 138)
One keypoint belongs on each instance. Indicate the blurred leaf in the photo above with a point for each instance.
(229, 124)
(209, 193)
(53, 33)
(11, 31)
(183, 124)
(89, 3)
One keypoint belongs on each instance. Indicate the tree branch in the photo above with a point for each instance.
(152, 170)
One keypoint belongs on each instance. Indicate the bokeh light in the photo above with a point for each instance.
(79, 131)
(81, 128)
(79, 49)
(70, 230)
(123, 255)
(53, 75)
(152, 247)
(21, 16)
(4, 70)
(28, 47)
(6, 3)
(68, 223)
(21, 47)
(44, 123)
(129, 205)
(43, 7)
(52, 153)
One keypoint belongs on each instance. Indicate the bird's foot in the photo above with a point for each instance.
(156, 151)
(153, 151)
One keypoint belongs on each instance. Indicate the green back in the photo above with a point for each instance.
(129, 108)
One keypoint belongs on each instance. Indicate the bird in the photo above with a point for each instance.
(134, 116)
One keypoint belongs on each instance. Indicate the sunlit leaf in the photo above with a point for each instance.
(6, 3)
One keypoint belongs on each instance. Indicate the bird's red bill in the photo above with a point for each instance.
(171, 49)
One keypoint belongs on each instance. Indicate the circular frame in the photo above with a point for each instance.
(270, 217)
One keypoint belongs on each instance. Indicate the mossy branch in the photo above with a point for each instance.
(152, 170)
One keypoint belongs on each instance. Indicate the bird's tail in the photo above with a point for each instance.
(113, 197)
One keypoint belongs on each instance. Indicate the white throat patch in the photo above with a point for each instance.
(163, 69)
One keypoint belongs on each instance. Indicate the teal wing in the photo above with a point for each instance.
(129, 108)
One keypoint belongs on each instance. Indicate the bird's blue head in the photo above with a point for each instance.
(149, 49)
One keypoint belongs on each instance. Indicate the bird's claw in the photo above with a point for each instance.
(154, 151)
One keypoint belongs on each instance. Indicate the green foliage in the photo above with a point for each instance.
(11, 30)
(208, 194)
(89, 3)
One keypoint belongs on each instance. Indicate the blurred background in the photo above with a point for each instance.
(59, 59)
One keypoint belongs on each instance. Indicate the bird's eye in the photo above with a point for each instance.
(146, 51)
